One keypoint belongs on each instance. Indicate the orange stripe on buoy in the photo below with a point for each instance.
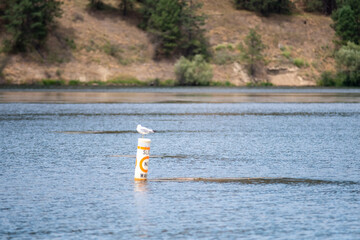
(141, 164)
(140, 179)
(144, 148)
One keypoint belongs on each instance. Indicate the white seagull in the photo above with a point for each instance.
(143, 130)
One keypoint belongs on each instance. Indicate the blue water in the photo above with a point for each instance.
(66, 171)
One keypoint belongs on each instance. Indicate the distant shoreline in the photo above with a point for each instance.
(180, 95)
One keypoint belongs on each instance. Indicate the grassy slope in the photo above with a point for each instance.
(103, 45)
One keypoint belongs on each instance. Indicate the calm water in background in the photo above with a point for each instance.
(66, 171)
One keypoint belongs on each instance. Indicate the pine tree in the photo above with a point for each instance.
(164, 23)
(147, 9)
(253, 51)
(29, 22)
(176, 26)
(193, 39)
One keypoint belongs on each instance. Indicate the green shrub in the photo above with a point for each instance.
(58, 73)
(126, 81)
(224, 57)
(71, 43)
(327, 79)
(348, 61)
(340, 79)
(286, 53)
(74, 83)
(259, 84)
(111, 49)
(225, 54)
(156, 82)
(299, 62)
(221, 84)
(223, 46)
(220, 47)
(167, 83)
(115, 51)
(52, 82)
(193, 73)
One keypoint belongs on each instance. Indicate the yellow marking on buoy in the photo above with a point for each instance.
(144, 148)
(141, 164)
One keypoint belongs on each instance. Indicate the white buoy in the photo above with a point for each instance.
(142, 159)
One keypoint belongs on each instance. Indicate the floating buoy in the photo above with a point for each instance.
(142, 159)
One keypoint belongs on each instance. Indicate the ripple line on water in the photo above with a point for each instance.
(258, 180)
(127, 131)
(152, 156)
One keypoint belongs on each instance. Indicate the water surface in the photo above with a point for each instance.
(282, 171)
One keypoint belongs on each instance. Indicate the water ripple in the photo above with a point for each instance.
(258, 181)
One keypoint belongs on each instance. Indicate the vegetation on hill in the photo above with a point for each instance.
(180, 29)
(196, 72)
(96, 4)
(265, 7)
(348, 64)
(347, 21)
(175, 26)
(253, 51)
(347, 27)
(29, 22)
(321, 6)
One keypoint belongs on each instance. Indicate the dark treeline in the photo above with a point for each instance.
(265, 7)
(321, 6)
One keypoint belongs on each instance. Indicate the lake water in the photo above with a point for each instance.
(67, 167)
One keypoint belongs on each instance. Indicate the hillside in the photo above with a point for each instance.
(103, 45)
